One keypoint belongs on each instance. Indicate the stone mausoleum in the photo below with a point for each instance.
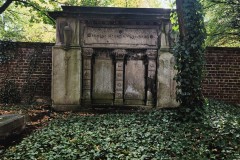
(107, 56)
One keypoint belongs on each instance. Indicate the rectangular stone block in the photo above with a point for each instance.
(10, 124)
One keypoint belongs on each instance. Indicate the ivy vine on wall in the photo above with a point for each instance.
(12, 91)
(9, 92)
(189, 53)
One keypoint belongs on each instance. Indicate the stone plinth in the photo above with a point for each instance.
(11, 123)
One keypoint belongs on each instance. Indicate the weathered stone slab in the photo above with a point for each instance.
(66, 72)
(166, 86)
(134, 81)
(121, 37)
(103, 79)
(11, 123)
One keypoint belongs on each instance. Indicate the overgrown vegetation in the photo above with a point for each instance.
(7, 51)
(10, 93)
(153, 135)
(189, 53)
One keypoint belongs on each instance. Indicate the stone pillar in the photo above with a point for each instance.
(66, 66)
(66, 73)
(87, 75)
(166, 86)
(151, 77)
(119, 55)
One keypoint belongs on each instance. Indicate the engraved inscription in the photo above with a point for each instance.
(125, 36)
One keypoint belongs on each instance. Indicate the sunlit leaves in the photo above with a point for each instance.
(222, 22)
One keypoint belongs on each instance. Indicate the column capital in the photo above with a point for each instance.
(87, 52)
(119, 53)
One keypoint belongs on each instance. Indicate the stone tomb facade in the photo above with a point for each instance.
(112, 56)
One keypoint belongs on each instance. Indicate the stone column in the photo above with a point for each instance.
(119, 55)
(151, 77)
(87, 75)
(166, 86)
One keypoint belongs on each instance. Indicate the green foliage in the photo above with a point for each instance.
(29, 20)
(154, 135)
(7, 50)
(10, 93)
(222, 22)
(189, 55)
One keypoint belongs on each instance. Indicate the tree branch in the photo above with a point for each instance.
(27, 3)
(5, 6)
(34, 7)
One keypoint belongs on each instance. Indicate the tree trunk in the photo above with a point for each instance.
(180, 15)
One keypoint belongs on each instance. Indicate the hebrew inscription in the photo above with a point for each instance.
(121, 36)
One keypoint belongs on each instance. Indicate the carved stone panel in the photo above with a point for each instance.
(73, 25)
(103, 79)
(119, 66)
(119, 75)
(114, 37)
(134, 88)
(87, 64)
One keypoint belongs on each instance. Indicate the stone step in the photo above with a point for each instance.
(11, 124)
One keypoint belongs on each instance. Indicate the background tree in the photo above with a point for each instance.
(222, 18)
(23, 20)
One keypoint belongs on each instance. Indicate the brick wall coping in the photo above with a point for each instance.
(223, 49)
(29, 44)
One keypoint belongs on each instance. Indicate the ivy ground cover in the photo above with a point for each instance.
(156, 135)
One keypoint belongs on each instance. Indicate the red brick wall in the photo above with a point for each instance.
(222, 81)
(31, 70)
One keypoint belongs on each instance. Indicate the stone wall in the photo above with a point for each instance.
(222, 79)
(31, 68)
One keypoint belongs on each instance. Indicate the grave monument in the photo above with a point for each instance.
(112, 56)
